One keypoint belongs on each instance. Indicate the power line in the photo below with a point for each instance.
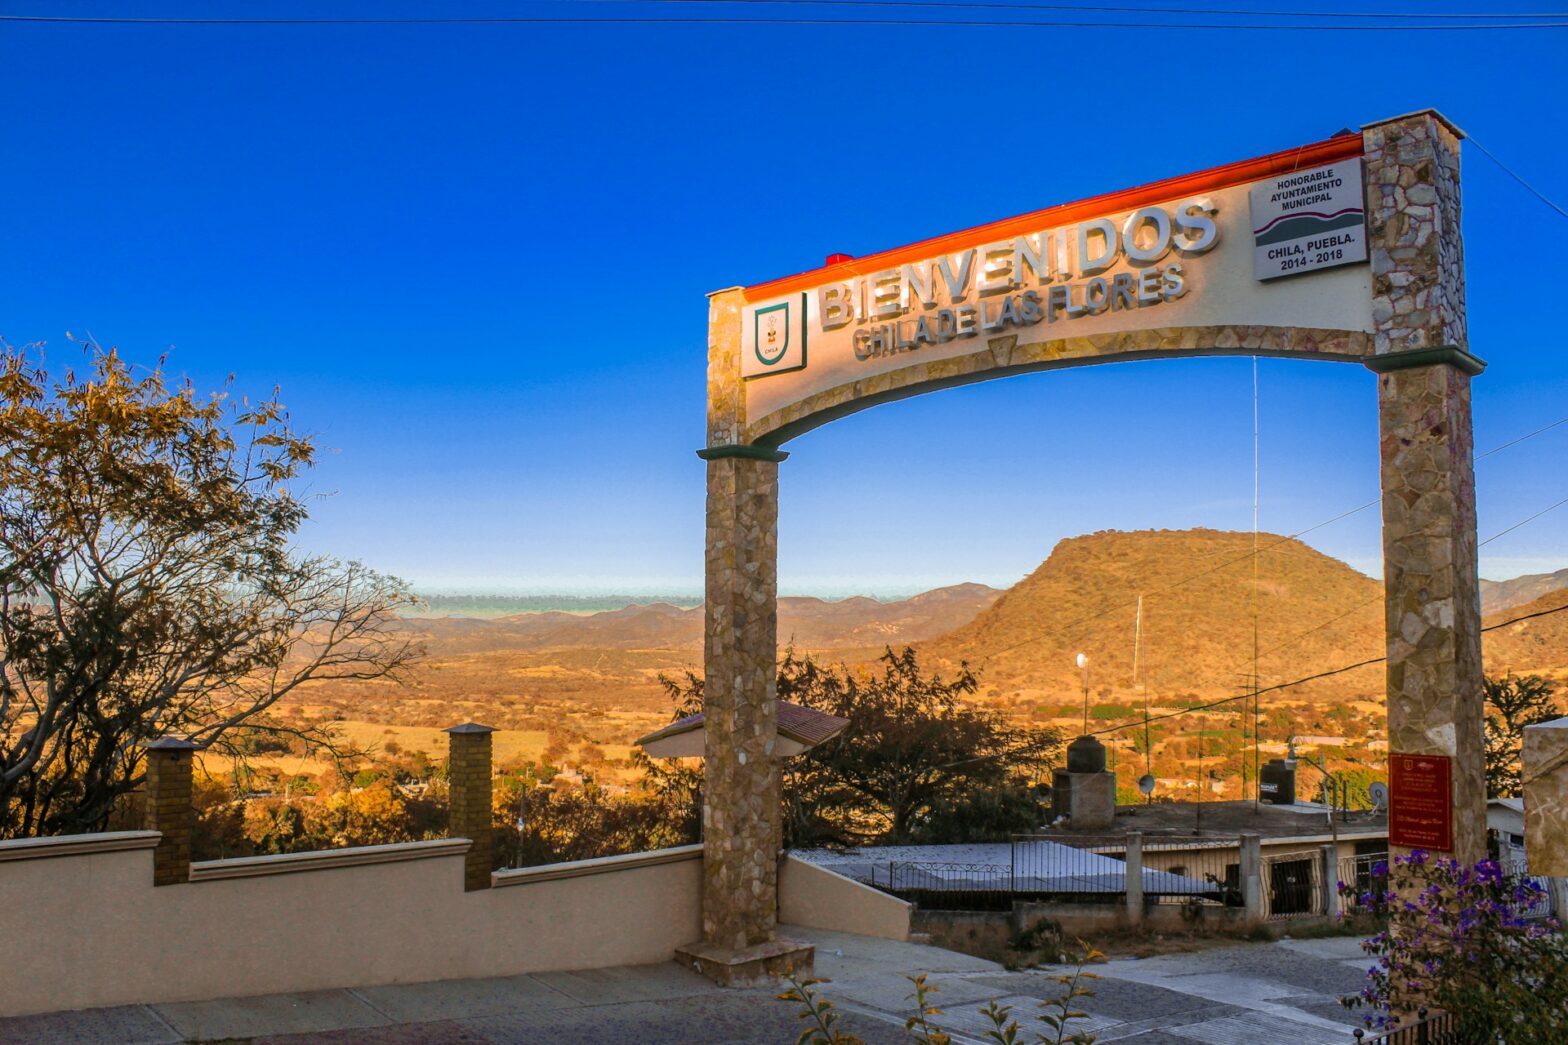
(1196, 708)
(1378, 598)
(1272, 544)
(950, 23)
(1358, 608)
(1521, 522)
(968, 5)
(1537, 193)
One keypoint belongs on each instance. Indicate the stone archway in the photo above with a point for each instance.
(853, 346)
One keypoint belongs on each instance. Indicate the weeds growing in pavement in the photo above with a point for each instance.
(1060, 1012)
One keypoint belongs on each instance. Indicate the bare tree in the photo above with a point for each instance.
(148, 585)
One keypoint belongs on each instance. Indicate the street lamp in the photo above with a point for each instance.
(1082, 660)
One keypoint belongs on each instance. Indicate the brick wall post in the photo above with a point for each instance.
(169, 810)
(469, 777)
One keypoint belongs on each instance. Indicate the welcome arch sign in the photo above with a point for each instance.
(1345, 250)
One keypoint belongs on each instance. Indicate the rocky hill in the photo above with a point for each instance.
(1314, 614)
(1199, 591)
(1538, 646)
(1502, 595)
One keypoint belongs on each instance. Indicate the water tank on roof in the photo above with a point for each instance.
(1277, 782)
(1086, 755)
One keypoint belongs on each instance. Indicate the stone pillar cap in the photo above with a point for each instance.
(1439, 117)
(173, 744)
(469, 727)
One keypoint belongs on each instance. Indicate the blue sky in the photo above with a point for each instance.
(475, 260)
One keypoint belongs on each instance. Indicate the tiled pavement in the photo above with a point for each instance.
(1245, 993)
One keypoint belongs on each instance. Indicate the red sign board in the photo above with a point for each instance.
(1421, 802)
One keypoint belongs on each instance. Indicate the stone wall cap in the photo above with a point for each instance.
(76, 845)
(327, 859)
(469, 727)
(1439, 117)
(173, 744)
(1554, 723)
(597, 865)
(724, 290)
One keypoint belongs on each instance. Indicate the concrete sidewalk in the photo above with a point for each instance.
(1252, 993)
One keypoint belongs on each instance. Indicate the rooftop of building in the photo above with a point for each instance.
(1303, 820)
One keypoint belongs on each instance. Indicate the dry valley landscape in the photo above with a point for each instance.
(573, 689)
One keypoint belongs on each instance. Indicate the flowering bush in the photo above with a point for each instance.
(1455, 940)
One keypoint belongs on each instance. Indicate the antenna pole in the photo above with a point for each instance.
(1257, 778)
(1137, 647)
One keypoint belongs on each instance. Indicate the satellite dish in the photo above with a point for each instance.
(1379, 792)
(1146, 784)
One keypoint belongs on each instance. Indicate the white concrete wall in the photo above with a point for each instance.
(94, 930)
(817, 898)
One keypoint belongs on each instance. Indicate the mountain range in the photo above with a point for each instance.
(808, 623)
(554, 678)
(1204, 601)
(1502, 595)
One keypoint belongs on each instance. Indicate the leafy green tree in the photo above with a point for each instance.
(148, 583)
(916, 763)
(1354, 786)
(1512, 703)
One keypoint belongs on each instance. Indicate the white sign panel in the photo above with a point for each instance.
(1308, 220)
(1172, 265)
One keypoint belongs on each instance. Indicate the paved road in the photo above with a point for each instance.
(1247, 993)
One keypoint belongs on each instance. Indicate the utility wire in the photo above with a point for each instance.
(950, 23)
(1357, 609)
(967, 5)
(1537, 193)
(1520, 523)
(1272, 544)
(1196, 708)
(1199, 708)
(1522, 438)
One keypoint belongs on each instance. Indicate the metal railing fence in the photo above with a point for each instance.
(1076, 869)
(1187, 870)
(947, 886)
(1292, 885)
(1365, 887)
(1440, 1028)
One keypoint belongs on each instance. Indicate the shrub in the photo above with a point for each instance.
(1456, 940)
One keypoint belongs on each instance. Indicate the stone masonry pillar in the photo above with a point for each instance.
(469, 778)
(740, 902)
(169, 809)
(1545, 772)
(741, 810)
(1424, 367)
